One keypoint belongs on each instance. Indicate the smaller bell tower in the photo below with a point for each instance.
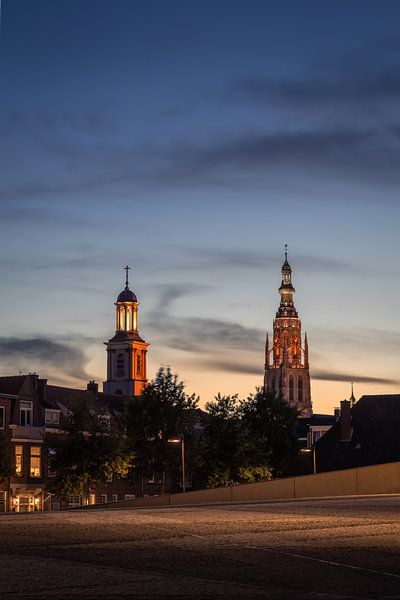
(126, 351)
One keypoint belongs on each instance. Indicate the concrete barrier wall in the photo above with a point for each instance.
(377, 479)
(333, 483)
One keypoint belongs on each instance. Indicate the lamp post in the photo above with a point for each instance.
(314, 457)
(181, 440)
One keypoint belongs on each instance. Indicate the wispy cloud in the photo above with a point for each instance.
(43, 354)
(348, 377)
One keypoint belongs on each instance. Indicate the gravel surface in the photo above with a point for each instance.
(316, 549)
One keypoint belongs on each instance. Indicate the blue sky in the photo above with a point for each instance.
(192, 140)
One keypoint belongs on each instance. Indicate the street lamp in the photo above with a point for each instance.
(314, 457)
(181, 440)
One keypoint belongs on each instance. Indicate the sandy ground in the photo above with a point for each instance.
(324, 549)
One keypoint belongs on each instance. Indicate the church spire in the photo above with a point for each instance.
(286, 366)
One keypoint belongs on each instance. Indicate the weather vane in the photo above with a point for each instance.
(285, 251)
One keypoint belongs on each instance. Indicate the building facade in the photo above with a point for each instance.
(126, 350)
(286, 369)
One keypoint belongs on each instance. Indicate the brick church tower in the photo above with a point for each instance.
(126, 351)
(286, 361)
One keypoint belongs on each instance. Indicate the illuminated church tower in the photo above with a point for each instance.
(126, 351)
(286, 361)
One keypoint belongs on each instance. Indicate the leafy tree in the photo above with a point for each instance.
(88, 451)
(163, 412)
(270, 425)
(222, 442)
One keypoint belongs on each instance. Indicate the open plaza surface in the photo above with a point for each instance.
(336, 548)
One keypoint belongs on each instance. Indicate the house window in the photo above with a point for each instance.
(25, 413)
(115, 497)
(52, 417)
(18, 461)
(74, 500)
(35, 461)
(103, 498)
(2, 417)
(120, 365)
(129, 496)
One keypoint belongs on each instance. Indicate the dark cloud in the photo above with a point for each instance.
(331, 376)
(234, 367)
(41, 352)
(215, 258)
(199, 334)
(168, 293)
(315, 91)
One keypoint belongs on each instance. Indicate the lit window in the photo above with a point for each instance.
(2, 417)
(18, 461)
(35, 461)
(25, 413)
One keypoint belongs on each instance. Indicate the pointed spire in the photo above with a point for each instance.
(352, 397)
(306, 363)
(267, 351)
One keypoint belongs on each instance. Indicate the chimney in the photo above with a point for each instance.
(42, 388)
(93, 387)
(345, 421)
(336, 413)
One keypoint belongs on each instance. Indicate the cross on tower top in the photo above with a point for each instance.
(126, 269)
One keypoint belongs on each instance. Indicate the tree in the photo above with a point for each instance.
(88, 450)
(222, 442)
(271, 437)
(164, 411)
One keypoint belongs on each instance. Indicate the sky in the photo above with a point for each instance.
(192, 140)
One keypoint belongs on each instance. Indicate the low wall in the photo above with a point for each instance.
(377, 479)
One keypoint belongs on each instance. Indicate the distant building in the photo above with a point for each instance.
(30, 408)
(126, 350)
(286, 360)
(366, 434)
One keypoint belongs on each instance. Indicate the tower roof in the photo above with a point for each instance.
(127, 295)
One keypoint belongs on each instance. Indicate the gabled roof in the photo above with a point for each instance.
(12, 385)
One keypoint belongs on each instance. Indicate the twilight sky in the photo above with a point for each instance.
(192, 139)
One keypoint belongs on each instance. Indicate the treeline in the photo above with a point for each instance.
(232, 441)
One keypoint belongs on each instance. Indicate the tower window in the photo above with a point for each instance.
(300, 389)
(120, 365)
(291, 389)
(138, 365)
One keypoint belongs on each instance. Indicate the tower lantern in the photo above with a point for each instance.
(126, 351)
(286, 362)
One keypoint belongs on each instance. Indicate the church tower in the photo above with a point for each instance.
(286, 359)
(126, 351)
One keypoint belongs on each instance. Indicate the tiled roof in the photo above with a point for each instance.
(12, 385)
